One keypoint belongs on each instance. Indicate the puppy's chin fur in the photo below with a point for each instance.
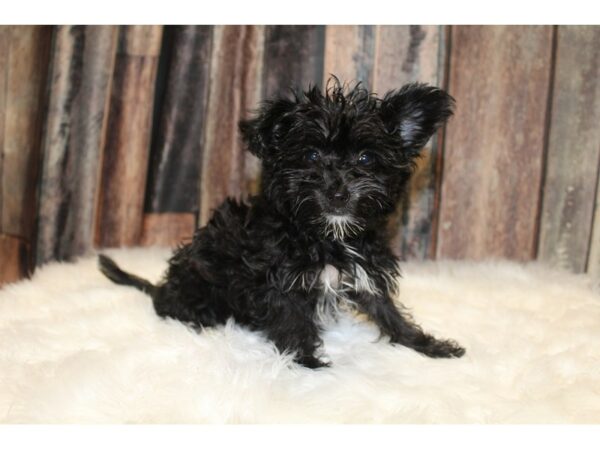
(283, 263)
(340, 227)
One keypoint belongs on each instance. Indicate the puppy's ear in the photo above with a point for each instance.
(266, 129)
(415, 112)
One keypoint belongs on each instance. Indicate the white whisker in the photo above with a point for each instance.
(340, 227)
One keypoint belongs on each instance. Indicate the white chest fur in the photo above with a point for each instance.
(334, 282)
(336, 288)
(330, 278)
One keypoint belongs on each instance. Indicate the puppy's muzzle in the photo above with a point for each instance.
(337, 196)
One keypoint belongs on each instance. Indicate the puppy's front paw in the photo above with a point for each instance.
(442, 349)
(311, 362)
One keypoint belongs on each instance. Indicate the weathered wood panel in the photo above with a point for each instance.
(235, 87)
(4, 44)
(177, 150)
(494, 146)
(82, 69)
(14, 259)
(494, 198)
(25, 54)
(573, 149)
(125, 164)
(167, 229)
(349, 53)
(293, 58)
(593, 263)
(407, 54)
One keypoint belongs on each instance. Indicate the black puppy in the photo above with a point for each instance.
(334, 165)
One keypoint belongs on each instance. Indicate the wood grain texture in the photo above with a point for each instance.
(573, 149)
(593, 263)
(125, 163)
(14, 259)
(349, 53)
(4, 54)
(177, 147)
(293, 58)
(407, 54)
(494, 146)
(235, 87)
(140, 40)
(25, 70)
(82, 69)
(167, 229)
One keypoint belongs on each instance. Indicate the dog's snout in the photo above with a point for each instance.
(339, 196)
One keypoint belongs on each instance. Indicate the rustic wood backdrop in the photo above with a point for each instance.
(126, 135)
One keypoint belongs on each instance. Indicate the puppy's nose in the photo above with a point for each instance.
(340, 197)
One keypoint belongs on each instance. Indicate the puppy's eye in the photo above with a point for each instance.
(365, 158)
(312, 156)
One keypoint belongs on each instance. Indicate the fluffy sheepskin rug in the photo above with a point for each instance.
(76, 348)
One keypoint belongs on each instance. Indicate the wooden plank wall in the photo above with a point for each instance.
(235, 88)
(127, 142)
(127, 135)
(281, 72)
(172, 195)
(80, 77)
(24, 54)
(494, 149)
(573, 151)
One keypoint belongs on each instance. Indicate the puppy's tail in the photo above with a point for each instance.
(114, 273)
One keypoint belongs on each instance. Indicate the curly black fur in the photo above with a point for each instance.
(334, 165)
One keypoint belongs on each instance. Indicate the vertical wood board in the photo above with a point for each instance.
(82, 64)
(177, 148)
(293, 58)
(26, 55)
(125, 163)
(494, 147)
(14, 259)
(349, 53)
(235, 87)
(573, 150)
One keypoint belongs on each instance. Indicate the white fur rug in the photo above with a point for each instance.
(76, 348)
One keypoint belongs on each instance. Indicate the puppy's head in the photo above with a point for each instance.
(337, 161)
